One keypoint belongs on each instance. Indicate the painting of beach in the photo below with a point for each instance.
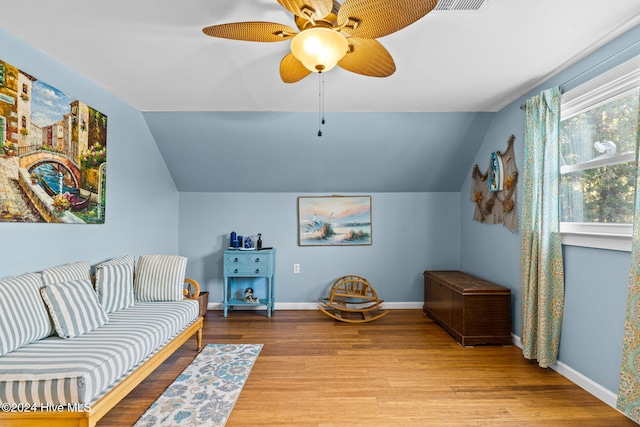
(334, 220)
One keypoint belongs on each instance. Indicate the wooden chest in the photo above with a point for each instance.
(471, 309)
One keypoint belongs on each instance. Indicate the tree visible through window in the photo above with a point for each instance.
(598, 171)
(598, 137)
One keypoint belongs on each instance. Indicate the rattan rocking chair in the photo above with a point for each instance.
(353, 300)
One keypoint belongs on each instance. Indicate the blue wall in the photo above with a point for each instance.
(595, 280)
(142, 212)
(594, 310)
(382, 152)
(412, 232)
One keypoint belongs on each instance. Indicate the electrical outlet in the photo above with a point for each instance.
(296, 268)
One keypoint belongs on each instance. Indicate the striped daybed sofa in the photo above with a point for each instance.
(71, 347)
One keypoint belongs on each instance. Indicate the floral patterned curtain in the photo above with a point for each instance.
(542, 272)
(629, 388)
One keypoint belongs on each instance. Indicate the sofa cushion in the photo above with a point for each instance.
(23, 315)
(125, 259)
(74, 307)
(114, 283)
(60, 372)
(160, 278)
(63, 273)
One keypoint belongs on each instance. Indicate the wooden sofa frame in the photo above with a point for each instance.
(103, 405)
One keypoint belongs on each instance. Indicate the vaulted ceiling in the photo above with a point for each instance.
(223, 100)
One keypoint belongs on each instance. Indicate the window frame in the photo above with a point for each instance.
(595, 92)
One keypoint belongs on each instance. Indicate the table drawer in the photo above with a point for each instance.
(259, 259)
(237, 258)
(246, 258)
(247, 270)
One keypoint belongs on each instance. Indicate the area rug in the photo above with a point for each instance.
(206, 391)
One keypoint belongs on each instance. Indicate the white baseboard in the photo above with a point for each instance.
(313, 306)
(580, 380)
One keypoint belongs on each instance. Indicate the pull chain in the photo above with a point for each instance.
(323, 98)
(320, 102)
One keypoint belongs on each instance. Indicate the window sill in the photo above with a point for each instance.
(614, 242)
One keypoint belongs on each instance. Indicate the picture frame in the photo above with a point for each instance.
(53, 153)
(334, 221)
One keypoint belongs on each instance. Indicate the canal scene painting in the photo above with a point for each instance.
(53, 153)
(334, 220)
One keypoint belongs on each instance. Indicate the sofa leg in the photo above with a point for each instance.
(199, 339)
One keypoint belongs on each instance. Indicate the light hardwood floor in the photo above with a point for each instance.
(400, 370)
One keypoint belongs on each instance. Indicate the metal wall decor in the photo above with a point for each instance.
(494, 192)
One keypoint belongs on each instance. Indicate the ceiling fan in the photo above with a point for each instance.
(330, 34)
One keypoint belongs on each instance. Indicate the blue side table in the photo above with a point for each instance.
(248, 264)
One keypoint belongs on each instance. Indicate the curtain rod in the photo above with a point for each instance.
(523, 106)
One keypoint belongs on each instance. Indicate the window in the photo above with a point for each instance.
(598, 135)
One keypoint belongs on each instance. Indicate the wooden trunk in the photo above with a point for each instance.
(471, 309)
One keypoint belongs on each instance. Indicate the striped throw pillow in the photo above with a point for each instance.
(114, 284)
(74, 307)
(23, 315)
(125, 259)
(160, 278)
(64, 273)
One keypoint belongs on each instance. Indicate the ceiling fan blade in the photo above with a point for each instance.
(378, 18)
(321, 7)
(292, 70)
(251, 31)
(367, 57)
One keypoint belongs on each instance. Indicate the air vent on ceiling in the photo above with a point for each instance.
(461, 5)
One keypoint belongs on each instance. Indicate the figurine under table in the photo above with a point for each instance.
(248, 296)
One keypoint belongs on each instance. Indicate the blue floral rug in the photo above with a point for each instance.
(205, 392)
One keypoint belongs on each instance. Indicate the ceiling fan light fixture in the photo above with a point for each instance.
(319, 49)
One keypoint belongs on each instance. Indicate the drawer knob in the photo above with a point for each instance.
(235, 271)
(257, 270)
(257, 259)
(235, 260)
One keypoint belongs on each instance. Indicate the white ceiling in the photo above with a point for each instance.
(153, 54)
